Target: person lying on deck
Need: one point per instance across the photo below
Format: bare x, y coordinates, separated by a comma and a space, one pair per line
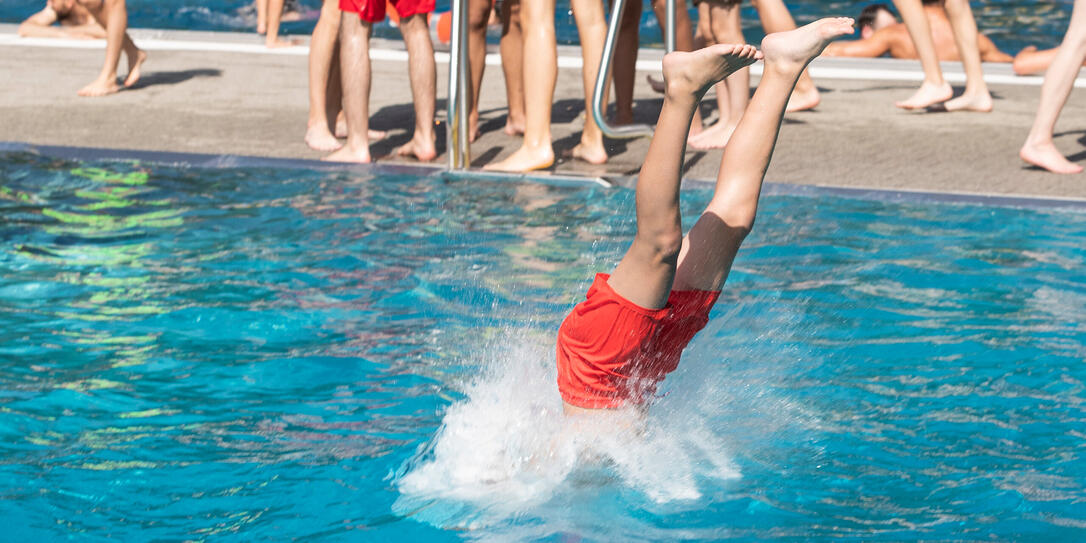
881, 34
62, 19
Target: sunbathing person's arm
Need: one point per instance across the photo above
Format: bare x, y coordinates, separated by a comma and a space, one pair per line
989, 52
40, 25
874, 46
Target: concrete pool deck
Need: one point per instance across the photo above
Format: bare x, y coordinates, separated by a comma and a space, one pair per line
223, 93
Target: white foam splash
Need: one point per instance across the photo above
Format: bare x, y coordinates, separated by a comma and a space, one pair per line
507, 448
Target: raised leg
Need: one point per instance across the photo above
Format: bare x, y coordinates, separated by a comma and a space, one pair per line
1039, 148
422, 72
976, 96
934, 89
712, 243
322, 49
541, 54
592, 29
645, 273
512, 52
354, 67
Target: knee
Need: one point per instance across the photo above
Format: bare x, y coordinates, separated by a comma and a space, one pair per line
664, 244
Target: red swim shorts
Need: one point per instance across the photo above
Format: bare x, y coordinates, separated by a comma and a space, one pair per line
613, 352
374, 10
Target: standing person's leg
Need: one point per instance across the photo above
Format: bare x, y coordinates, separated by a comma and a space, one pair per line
478, 17
275, 14
934, 89
113, 16
592, 30
976, 96
322, 48
712, 243
422, 72
261, 16
354, 69
512, 53
725, 27
624, 61
1039, 148
540, 51
684, 40
775, 17
645, 273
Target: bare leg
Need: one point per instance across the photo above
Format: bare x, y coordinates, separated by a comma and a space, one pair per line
775, 17
261, 16
711, 245
645, 273
540, 49
512, 52
624, 61
1039, 148
725, 27
478, 16
934, 89
113, 16
592, 29
976, 96
354, 66
322, 49
275, 14
422, 72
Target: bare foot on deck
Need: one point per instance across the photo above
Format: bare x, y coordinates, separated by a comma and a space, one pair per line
280, 43
1045, 155
525, 159
592, 154
419, 148
980, 102
804, 97
100, 87
927, 95
134, 68
687, 73
348, 154
714, 137
513, 127
789, 52
319, 138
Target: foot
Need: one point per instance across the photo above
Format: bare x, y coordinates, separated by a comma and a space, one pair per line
692, 73
714, 137
318, 138
100, 87
978, 101
341, 126
789, 52
926, 95
420, 148
525, 159
513, 127
623, 118
349, 154
657, 85
134, 67
803, 100
279, 43
590, 153
1045, 155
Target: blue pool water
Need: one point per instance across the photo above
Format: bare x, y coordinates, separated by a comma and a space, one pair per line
245, 354
1012, 24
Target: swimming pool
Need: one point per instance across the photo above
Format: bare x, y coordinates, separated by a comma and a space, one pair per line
1012, 24
255, 353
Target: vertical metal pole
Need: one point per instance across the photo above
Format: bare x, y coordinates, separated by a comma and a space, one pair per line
456, 128
603, 77
669, 39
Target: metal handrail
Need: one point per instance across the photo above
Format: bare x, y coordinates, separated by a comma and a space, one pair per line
456, 127
604, 73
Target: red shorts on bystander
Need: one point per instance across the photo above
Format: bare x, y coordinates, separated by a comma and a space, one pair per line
374, 10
